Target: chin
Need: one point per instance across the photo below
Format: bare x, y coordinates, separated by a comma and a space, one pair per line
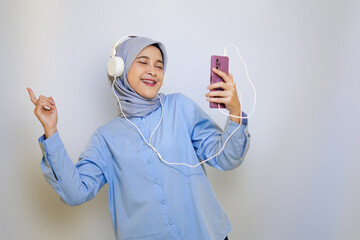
149, 96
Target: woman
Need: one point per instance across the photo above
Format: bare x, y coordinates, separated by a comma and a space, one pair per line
149, 198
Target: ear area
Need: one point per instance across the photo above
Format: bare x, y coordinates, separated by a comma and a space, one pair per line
164, 79
115, 66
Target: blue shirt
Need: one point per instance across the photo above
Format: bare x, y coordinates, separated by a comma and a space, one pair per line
149, 199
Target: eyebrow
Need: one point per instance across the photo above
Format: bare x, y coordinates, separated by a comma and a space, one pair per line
146, 57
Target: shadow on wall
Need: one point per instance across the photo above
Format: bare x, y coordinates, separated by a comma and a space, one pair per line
46, 206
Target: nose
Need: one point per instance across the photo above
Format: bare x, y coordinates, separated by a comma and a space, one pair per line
151, 70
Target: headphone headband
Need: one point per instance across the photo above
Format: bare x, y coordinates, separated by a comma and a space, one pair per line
118, 43
115, 65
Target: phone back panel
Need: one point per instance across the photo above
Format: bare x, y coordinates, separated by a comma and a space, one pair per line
221, 63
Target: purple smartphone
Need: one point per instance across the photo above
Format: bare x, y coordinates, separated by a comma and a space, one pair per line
221, 63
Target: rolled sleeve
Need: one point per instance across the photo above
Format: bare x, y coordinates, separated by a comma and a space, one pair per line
75, 183
237, 138
49, 146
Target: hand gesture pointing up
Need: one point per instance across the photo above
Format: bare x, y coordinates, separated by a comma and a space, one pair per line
46, 112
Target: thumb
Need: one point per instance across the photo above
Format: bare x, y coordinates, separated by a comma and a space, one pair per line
52, 99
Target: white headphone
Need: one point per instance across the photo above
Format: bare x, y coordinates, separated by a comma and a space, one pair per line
115, 66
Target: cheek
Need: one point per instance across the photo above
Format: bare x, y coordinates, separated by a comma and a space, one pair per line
134, 71
161, 74
132, 76
132, 81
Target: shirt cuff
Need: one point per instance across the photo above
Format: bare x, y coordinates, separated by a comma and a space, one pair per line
50, 145
231, 126
244, 121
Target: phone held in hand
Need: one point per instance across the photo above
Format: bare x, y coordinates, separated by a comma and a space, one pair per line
221, 63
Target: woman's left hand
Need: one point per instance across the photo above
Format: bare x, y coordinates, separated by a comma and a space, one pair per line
227, 96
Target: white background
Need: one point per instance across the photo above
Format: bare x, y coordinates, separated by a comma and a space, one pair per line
301, 176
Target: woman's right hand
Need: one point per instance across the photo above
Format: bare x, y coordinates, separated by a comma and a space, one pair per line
46, 112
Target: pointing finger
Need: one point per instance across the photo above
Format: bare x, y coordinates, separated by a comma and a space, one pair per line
32, 96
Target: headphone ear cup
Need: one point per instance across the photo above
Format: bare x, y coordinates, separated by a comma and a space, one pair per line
164, 78
115, 66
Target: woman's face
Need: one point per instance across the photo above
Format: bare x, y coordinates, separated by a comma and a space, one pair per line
146, 73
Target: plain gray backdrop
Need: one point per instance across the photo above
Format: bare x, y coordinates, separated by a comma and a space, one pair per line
300, 177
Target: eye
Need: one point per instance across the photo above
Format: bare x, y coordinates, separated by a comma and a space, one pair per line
159, 67
142, 62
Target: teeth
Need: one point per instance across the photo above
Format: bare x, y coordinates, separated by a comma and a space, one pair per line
150, 82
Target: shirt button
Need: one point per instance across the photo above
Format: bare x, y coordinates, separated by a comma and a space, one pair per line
148, 161
156, 181
162, 201
170, 222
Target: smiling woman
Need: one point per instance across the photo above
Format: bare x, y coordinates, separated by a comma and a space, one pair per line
148, 197
146, 72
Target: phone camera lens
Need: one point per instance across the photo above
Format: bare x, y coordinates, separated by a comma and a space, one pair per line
217, 60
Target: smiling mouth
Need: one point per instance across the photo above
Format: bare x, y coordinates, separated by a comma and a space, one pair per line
149, 82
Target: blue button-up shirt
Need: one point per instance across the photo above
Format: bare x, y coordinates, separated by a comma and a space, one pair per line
149, 199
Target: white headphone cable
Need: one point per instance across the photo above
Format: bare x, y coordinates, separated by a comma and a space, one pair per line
241, 117
162, 111
122, 112
248, 77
